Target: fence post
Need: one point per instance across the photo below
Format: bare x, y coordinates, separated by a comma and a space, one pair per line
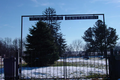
64, 65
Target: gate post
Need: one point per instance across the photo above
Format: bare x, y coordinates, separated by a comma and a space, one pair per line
11, 68
114, 64
17, 64
111, 65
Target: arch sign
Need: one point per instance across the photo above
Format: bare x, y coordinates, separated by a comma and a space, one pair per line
61, 17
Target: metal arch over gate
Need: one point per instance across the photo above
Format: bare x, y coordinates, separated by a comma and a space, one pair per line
64, 59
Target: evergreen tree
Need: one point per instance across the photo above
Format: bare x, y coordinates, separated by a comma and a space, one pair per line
40, 48
61, 44
55, 28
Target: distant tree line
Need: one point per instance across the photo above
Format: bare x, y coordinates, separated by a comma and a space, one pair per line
9, 47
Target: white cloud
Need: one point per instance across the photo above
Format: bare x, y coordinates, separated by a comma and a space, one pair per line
0, 26
20, 5
114, 16
93, 1
35, 1
5, 25
93, 12
106, 1
41, 3
118, 6
113, 1
9, 26
46, 4
62, 4
116, 2
64, 8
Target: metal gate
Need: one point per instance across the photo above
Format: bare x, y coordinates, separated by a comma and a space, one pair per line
71, 66
68, 67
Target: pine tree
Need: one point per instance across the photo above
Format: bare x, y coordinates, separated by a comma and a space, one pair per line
40, 48
61, 44
100, 37
55, 30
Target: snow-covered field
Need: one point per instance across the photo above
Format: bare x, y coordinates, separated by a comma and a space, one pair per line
83, 69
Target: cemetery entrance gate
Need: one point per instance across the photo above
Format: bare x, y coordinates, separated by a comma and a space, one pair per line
67, 67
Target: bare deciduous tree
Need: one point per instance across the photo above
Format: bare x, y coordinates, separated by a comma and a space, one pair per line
9, 47
69, 49
77, 45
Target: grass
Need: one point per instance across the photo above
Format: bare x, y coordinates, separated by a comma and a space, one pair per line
1, 66
78, 64
64, 64
24, 65
95, 76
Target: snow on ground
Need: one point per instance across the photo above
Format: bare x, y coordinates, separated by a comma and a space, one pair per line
58, 72
61, 72
91, 61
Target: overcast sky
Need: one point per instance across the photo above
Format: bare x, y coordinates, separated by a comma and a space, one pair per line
12, 10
